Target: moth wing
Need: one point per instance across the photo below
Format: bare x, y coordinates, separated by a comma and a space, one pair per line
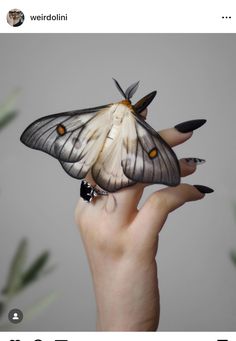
89, 153
77, 170
66, 136
107, 171
149, 158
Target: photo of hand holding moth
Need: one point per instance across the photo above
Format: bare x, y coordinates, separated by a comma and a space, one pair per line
112, 141
118, 153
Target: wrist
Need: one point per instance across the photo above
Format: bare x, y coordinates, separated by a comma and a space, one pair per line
127, 296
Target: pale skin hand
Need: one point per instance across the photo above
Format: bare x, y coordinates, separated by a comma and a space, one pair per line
121, 244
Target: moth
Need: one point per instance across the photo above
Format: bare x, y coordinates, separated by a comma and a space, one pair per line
111, 141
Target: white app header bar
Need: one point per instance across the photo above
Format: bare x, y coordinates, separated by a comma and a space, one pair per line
121, 16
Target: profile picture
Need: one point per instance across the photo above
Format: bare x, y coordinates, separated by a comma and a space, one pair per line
15, 17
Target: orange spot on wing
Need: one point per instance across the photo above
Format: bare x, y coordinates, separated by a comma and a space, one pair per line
152, 153
61, 130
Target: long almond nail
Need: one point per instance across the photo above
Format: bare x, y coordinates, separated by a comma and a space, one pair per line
204, 189
186, 127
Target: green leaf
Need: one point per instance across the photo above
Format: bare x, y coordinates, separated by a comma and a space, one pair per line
34, 310
34, 270
48, 270
7, 118
16, 269
7, 111
41, 305
233, 257
2, 308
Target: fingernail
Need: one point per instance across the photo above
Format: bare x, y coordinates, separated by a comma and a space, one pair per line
194, 161
186, 127
204, 189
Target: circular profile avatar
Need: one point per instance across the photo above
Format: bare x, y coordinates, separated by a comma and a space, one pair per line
15, 17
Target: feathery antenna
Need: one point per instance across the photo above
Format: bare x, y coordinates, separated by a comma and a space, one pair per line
130, 90
119, 88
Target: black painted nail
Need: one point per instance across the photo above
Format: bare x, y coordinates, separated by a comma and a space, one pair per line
204, 189
186, 127
194, 161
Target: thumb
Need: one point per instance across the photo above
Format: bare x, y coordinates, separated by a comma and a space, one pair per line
154, 212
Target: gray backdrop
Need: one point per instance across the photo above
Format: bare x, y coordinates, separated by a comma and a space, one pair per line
194, 76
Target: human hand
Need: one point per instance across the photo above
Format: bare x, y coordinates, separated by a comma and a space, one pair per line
121, 243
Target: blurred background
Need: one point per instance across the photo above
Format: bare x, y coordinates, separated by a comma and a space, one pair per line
41, 252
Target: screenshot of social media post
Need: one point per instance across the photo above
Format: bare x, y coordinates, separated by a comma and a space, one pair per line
117, 180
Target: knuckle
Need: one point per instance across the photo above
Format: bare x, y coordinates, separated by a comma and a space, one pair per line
158, 201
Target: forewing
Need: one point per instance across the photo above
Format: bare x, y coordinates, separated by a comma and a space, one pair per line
149, 158
65, 136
